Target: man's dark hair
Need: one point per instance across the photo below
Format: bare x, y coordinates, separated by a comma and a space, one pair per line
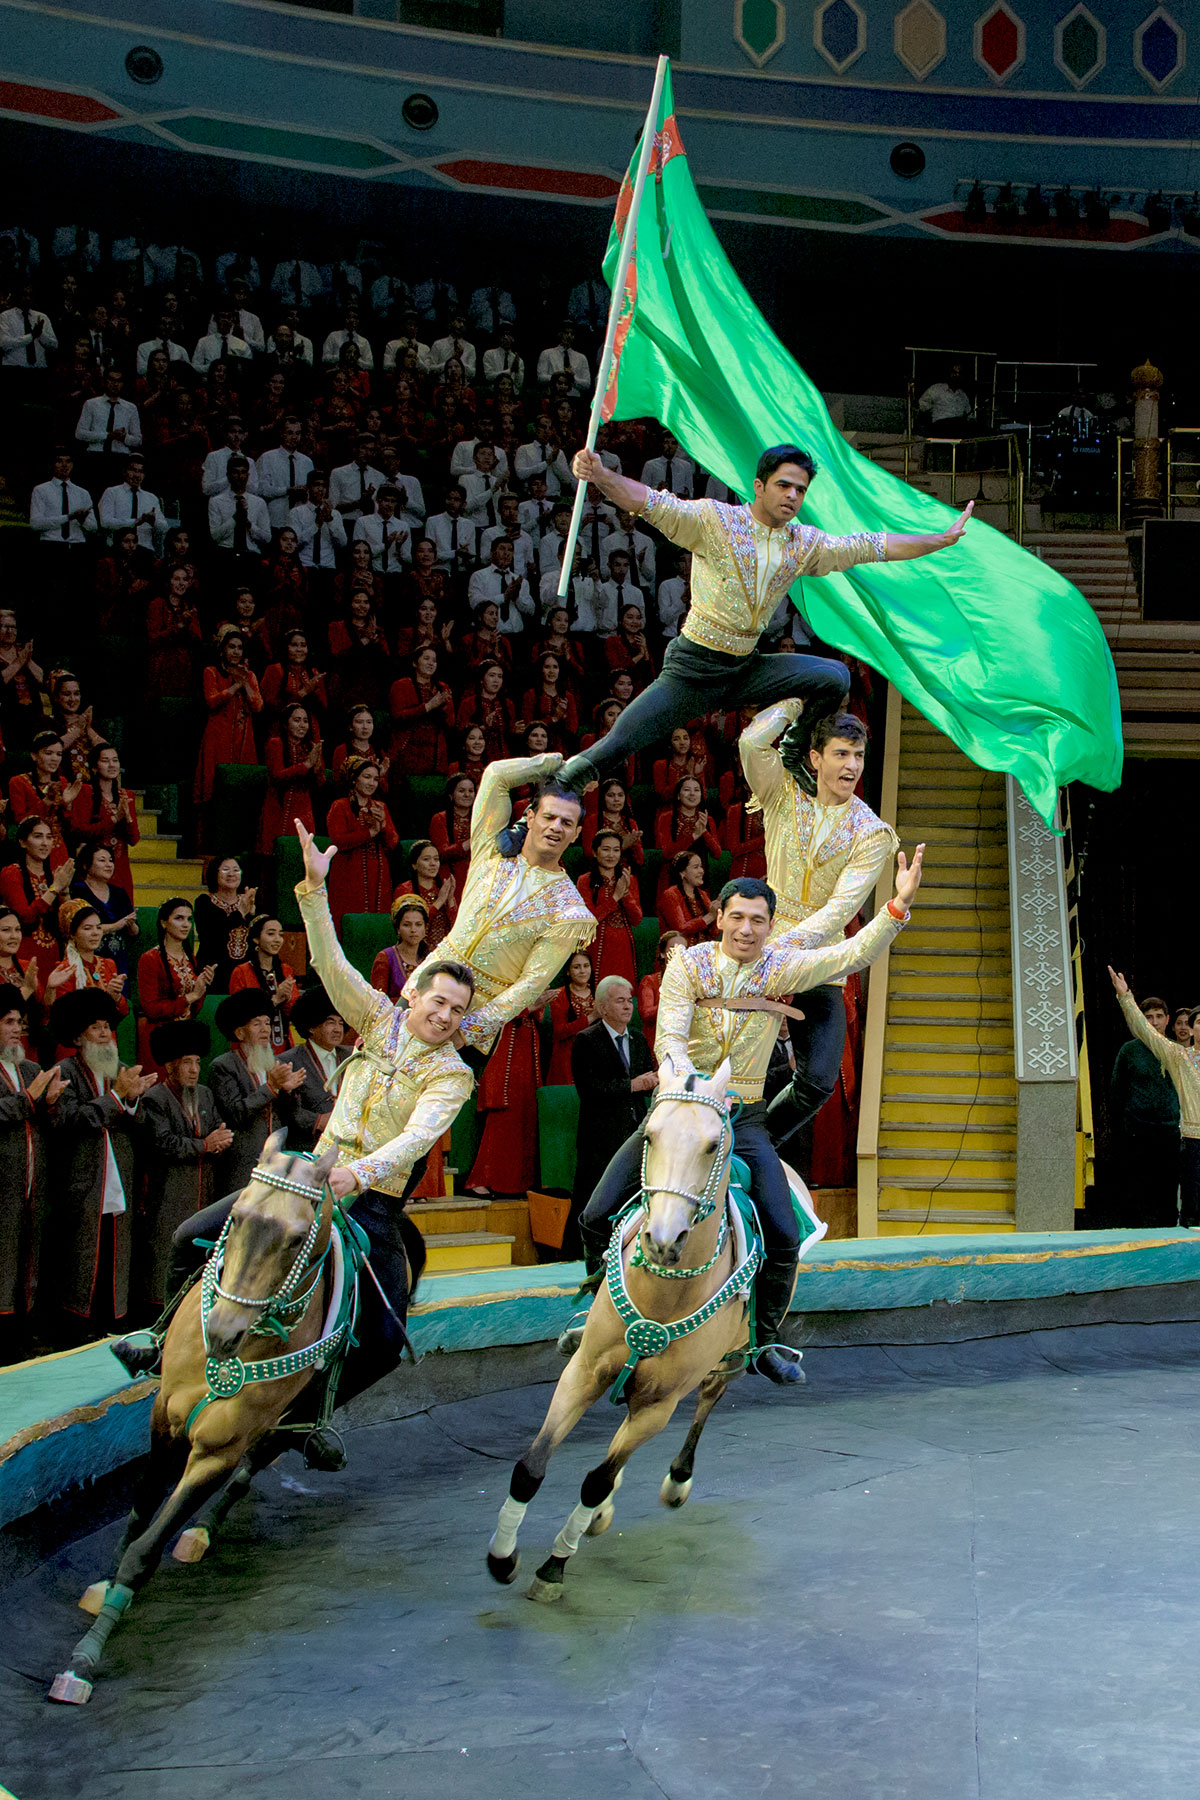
457, 971
1152, 1003
777, 455
552, 789
838, 725
748, 887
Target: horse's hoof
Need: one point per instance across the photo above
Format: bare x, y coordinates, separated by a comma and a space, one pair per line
94, 1598
545, 1592
569, 1340
504, 1568
68, 1688
672, 1492
602, 1518
191, 1544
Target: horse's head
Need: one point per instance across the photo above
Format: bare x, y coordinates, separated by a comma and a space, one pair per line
687, 1143
268, 1228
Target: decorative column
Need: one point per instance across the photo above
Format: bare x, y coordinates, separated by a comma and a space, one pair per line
1043, 1022
1147, 480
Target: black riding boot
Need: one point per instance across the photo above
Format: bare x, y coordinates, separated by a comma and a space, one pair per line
146, 1359
796, 743
772, 1297
794, 1106
595, 1242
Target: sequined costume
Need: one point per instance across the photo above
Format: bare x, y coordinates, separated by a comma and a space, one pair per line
1182, 1064
517, 924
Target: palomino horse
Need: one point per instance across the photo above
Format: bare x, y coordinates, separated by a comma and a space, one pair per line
227, 1379
680, 1328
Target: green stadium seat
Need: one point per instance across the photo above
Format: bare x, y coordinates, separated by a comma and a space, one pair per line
127, 1038
286, 869
208, 1016
648, 879
239, 790
164, 800
645, 944
718, 871
364, 935
558, 1118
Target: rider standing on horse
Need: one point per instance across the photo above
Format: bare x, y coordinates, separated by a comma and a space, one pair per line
399, 1093
825, 852
716, 1002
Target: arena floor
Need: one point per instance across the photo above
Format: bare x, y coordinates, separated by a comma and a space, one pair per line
939, 1573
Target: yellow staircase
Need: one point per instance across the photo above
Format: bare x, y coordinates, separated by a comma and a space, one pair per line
159, 872
948, 1113
457, 1236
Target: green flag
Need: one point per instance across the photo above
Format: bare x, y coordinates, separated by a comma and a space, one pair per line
991, 644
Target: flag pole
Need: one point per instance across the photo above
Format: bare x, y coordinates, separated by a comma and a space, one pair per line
604, 366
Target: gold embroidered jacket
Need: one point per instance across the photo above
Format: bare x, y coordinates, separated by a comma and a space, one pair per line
822, 861
516, 925
1181, 1061
700, 1037
397, 1095
742, 570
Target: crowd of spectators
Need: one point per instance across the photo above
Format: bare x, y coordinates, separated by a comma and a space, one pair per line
310, 519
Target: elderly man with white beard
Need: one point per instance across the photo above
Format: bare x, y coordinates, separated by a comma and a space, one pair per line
246, 1082
25, 1093
90, 1125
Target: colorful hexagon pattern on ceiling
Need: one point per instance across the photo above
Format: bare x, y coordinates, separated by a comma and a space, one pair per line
759, 28
1080, 46
999, 42
840, 33
1159, 49
919, 38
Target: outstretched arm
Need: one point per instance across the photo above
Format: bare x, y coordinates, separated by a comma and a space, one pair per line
631, 496
1165, 1049
493, 806
353, 996
801, 966
903, 546
761, 761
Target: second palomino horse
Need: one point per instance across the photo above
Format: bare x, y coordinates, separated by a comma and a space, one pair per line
656, 1329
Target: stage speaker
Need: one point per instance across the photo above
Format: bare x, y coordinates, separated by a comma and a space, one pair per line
1171, 569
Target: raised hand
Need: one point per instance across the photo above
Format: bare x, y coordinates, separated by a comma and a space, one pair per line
960, 524
1119, 982
908, 876
316, 862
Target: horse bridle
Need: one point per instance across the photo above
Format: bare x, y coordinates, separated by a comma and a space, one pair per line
703, 1205
280, 1304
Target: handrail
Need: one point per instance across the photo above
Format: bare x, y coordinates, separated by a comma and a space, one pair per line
1013, 470
870, 1089
1181, 431
1121, 476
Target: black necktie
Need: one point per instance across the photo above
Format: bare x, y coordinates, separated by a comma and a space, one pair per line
623, 1047
133, 506
239, 525
317, 545
224, 348
385, 546
30, 348
291, 469
362, 487
112, 422
66, 524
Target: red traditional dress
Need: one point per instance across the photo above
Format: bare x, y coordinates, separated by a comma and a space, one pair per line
671, 842
95, 973
746, 840
360, 879
612, 951
284, 687
495, 719
507, 1159
46, 800
441, 918
451, 832
389, 971
670, 770
677, 913
161, 987
568, 1017
229, 733
625, 824
31, 898
419, 737
94, 821
542, 708
647, 1002
290, 790
174, 638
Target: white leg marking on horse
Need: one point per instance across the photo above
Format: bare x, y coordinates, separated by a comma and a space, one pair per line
504, 1538
567, 1541
603, 1516
672, 1492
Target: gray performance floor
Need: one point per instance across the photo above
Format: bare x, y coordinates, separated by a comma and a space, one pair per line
939, 1573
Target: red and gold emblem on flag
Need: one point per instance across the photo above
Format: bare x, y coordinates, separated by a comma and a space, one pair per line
667, 144
628, 304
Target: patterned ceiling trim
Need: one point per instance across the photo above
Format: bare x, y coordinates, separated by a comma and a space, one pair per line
759, 28
1000, 42
919, 38
1080, 46
1160, 49
840, 33
273, 143
572, 184
53, 103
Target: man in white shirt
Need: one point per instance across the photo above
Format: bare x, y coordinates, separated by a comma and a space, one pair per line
131, 504
109, 425
563, 359
390, 293
282, 474
504, 360
462, 457
76, 245
482, 486
214, 478
60, 511
238, 520
500, 583
509, 527
454, 534
536, 511
390, 544
435, 298
320, 530
716, 490
618, 592
554, 540
237, 265
246, 324
287, 342
946, 401
20, 249
672, 471
410, 510
490, 309
544, 456
455, 343
582, 597
640, 546
347, 333
98, 335
221, 344
588, 306
409, 339
25, 334
353, 486
675, 596
163, 341
297, 283
166, 264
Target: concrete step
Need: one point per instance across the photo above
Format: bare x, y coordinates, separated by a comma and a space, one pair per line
934, 1221
933, 1166
929, 1111
457, 1214
469, 1250
954, 1086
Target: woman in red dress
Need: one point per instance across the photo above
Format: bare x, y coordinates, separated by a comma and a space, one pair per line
604, 717
173, 634
361, 659
507, 1159
429, 630
424, 581
609, 891
360, 574
396, 962
15, 970
106, 813
20, 682
551, 701
572, 1010
627, 648
422, 709
72, 720
429, 882
451, 829
360, 825
360, 730
683, 825
485, 642
264, 968
688, 757
44, 794
122, 582
537, 742
556, 640
80, 929
685, 906
612, 813
649, 986
295, 776
294, 679
743, 833
168, 984
473, 760
232, 698
33, 889
486, 704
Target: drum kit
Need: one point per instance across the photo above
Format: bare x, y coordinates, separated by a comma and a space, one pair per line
1072, 461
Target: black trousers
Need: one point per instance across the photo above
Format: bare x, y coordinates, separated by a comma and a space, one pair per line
696, 680
1189, 1181
394, 1243
818, 1044
1151, 1169
768, 1183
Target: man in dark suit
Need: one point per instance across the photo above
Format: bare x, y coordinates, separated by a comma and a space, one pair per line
183, 1138
25, 1094
246, 1083
306, 1110
613, 1069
